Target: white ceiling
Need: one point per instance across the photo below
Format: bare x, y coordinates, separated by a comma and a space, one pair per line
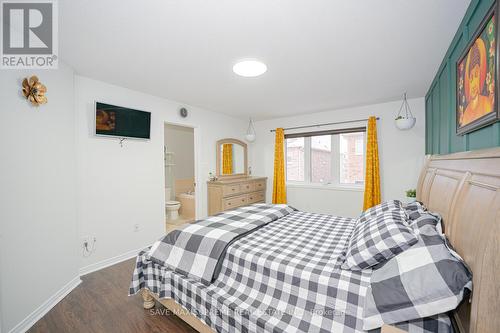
320, 55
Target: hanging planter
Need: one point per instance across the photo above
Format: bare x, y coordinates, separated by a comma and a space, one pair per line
405, 123
405, 120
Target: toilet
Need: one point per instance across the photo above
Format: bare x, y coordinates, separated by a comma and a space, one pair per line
171, 206
172, 209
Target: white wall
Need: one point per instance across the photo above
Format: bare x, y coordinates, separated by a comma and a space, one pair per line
38, 229
119, 187
180, 141
401, 156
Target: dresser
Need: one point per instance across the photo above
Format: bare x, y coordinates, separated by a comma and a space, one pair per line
235, 192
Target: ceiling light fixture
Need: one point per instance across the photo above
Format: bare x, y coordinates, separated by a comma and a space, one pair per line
249, 68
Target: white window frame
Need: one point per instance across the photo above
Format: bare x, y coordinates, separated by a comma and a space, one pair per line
335, 165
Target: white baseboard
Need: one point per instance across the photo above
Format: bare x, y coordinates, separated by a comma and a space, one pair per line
110, 261
42, 310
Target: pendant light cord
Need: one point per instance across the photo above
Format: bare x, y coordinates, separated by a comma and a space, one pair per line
251, 129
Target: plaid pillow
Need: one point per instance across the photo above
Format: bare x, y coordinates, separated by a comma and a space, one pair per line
385, 206
413, 208
419, 216
378, 239
425, 280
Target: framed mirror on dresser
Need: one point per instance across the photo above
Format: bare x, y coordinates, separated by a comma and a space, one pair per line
233, 187
232, 160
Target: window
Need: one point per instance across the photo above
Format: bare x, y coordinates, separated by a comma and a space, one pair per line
321, 159
330, 157
295, 159
352, 158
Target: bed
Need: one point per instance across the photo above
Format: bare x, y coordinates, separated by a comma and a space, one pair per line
285, 275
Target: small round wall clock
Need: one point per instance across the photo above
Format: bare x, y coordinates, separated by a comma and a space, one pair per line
183, 112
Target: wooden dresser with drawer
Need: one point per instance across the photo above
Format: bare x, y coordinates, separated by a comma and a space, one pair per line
235, 192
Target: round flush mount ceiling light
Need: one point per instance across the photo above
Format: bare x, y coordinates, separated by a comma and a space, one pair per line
249, 68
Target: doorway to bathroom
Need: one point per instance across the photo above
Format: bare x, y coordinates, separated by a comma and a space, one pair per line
180, 175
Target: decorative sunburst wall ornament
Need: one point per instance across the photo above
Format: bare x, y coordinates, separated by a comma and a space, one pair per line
34, 91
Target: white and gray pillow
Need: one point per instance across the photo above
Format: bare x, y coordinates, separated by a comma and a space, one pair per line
425, 280
419, 216
381, 208
378, 239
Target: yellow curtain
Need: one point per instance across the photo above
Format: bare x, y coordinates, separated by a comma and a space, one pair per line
372, 178
279, 189
227, 159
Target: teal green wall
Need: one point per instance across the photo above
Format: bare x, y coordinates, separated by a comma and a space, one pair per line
440, 100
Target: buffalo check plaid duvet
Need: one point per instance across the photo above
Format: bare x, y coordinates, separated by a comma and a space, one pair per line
283, 277
196, 250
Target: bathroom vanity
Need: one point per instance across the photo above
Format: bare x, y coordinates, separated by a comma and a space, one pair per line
233, 187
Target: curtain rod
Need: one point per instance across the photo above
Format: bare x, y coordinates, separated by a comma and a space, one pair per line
325, 124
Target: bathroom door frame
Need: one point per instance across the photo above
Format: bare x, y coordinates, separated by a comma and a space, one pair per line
197, 188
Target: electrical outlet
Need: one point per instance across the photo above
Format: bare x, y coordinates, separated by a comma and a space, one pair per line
85, 242
88, 245
137, 227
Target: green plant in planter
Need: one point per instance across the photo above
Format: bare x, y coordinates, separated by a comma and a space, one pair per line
411, 193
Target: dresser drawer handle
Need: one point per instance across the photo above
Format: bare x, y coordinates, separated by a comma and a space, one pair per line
229, 204
242, 200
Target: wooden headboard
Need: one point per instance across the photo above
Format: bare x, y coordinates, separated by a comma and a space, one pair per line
465, 189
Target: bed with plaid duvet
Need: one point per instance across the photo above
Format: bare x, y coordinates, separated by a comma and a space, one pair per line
283, 277
197, 250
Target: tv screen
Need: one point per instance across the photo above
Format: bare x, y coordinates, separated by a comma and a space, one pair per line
121, 122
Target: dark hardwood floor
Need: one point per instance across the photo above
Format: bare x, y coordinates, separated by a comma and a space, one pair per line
100, 304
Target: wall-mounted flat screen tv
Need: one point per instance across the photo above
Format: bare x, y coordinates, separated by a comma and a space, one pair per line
112, 120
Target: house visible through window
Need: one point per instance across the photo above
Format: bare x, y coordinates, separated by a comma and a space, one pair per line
321, 159
295, 159
352, 158
329, 157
